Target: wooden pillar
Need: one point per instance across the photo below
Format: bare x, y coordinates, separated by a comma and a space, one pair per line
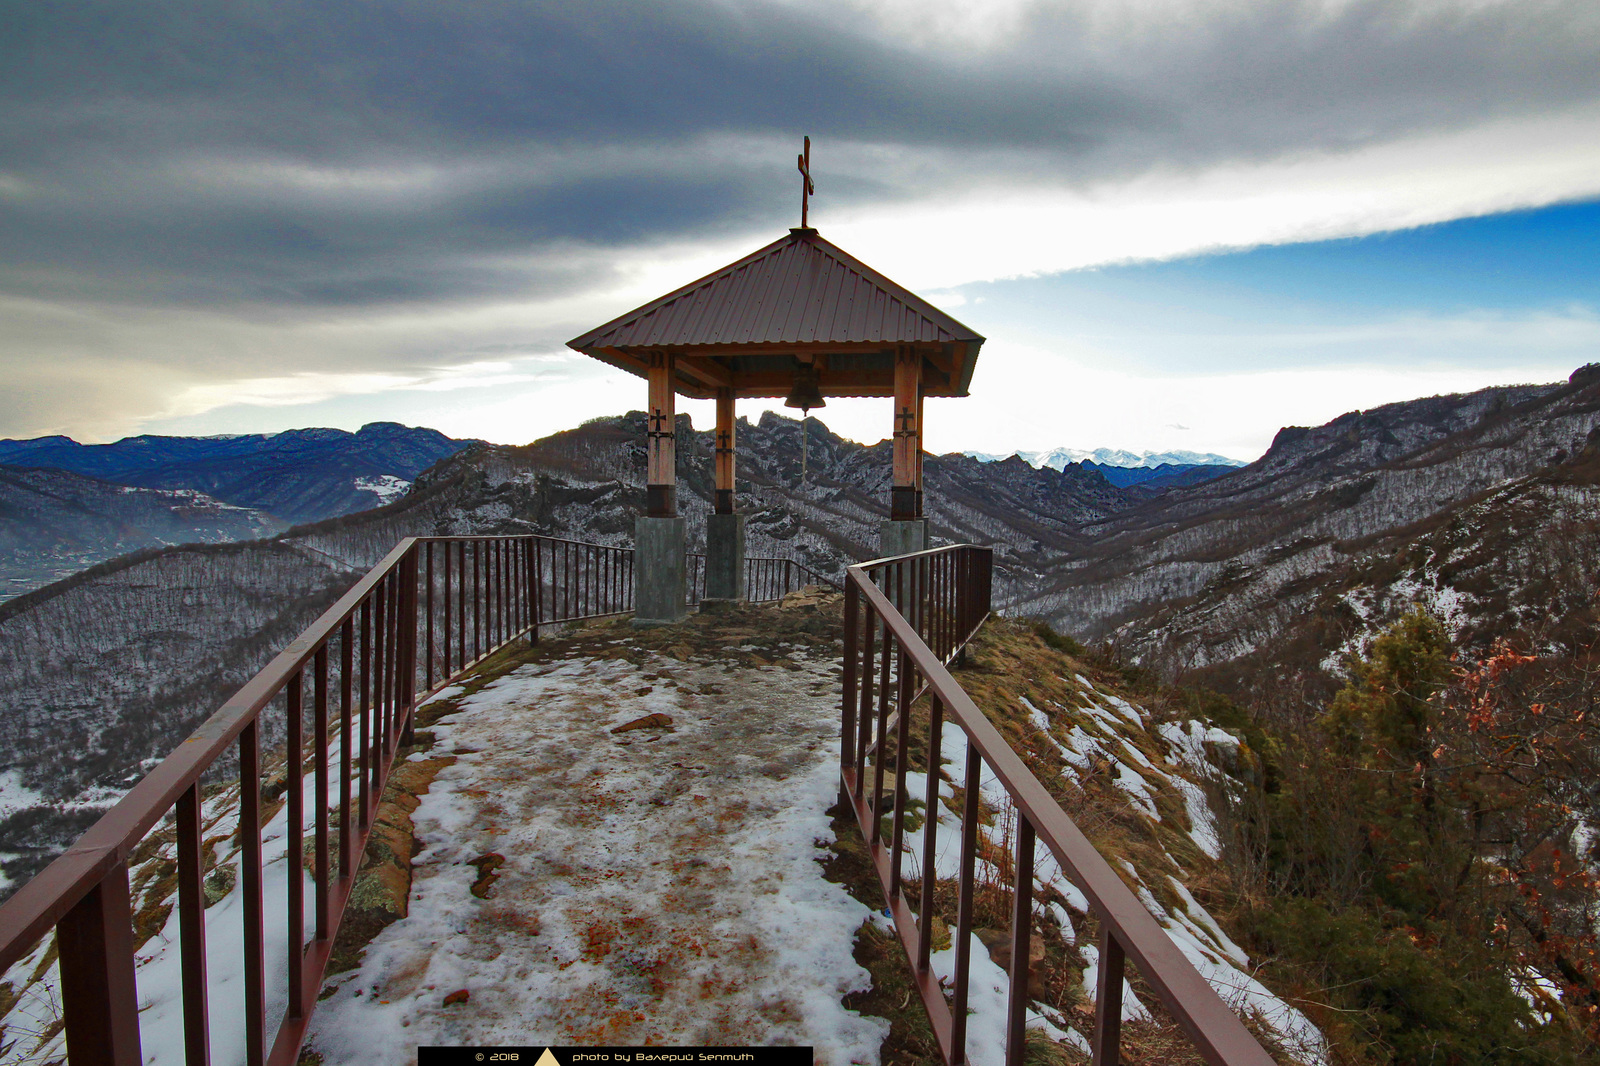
724, 452
661, 477
905, 501
919, 450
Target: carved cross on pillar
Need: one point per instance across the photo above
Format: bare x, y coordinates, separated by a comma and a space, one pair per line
661, 468
905, 499
724, 452
807, 187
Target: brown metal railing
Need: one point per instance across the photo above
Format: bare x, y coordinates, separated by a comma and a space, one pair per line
905, 618
764, 579
480, 592
433, 608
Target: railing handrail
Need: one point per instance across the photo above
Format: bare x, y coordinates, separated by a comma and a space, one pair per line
85, 893
30, 912
1217, 1032
796, 563
39, 903
383, 628
822, 578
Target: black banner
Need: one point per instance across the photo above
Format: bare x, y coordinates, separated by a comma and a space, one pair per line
609, 1056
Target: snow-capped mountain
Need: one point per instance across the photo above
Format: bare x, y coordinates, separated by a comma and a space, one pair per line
1058, 458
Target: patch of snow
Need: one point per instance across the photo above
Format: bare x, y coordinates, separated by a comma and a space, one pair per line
988, 987
1140, 757
1079, 748
1124, 708
386, 487
1245, 995
1034, 1019
1199, 920
629, 857
1041, 721
1136, 788
1186, 742
449, 692
1132, 1009
16, 796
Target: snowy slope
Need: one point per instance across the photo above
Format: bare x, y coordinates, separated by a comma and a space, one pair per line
1141, 790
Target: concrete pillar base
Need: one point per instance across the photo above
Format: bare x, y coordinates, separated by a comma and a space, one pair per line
724, 557
902, 536
660, 576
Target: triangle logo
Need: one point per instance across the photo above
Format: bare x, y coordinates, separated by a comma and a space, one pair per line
547, 1059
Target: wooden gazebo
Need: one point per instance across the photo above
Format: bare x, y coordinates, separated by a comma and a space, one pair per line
799, 311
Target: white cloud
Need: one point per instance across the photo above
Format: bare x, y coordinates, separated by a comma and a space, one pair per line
1026, 398
1005, 230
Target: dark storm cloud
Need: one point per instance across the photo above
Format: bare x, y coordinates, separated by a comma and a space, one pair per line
340, 153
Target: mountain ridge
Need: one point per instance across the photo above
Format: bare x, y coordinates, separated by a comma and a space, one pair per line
1056, 458
296, 475
65, 505
1239, 568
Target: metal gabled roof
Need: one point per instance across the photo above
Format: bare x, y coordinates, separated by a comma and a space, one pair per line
798, 290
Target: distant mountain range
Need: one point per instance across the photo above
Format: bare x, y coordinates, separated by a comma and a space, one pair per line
301, 475
65, 506
1057, 458
1481, 504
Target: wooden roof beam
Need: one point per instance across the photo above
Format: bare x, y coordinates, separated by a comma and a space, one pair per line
706, 371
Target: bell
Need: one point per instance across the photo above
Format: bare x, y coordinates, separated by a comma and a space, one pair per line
805, 394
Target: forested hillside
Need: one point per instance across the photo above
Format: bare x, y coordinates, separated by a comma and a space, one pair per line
1477, 503
54, 523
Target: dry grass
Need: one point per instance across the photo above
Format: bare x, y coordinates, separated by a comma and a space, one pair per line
1009, 661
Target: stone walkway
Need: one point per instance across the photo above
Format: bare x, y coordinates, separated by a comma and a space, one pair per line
658, 885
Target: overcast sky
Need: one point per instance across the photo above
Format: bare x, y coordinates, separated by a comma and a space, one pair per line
1180, 224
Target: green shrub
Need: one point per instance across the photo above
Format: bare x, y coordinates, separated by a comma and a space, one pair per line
1059, 641
1413, 993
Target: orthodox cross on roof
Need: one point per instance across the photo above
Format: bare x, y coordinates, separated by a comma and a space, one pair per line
807, 187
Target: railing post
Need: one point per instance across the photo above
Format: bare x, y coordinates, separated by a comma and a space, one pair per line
406, 691
930, 838
847, 727
319, 741
1021, 941
192, 928
427, 660
346, 712
250, 888
530, 589
1108, 999
902, 751
962, 937
95, 942
295, 794
864, 698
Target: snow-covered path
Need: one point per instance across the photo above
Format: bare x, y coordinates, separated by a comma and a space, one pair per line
658, 885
